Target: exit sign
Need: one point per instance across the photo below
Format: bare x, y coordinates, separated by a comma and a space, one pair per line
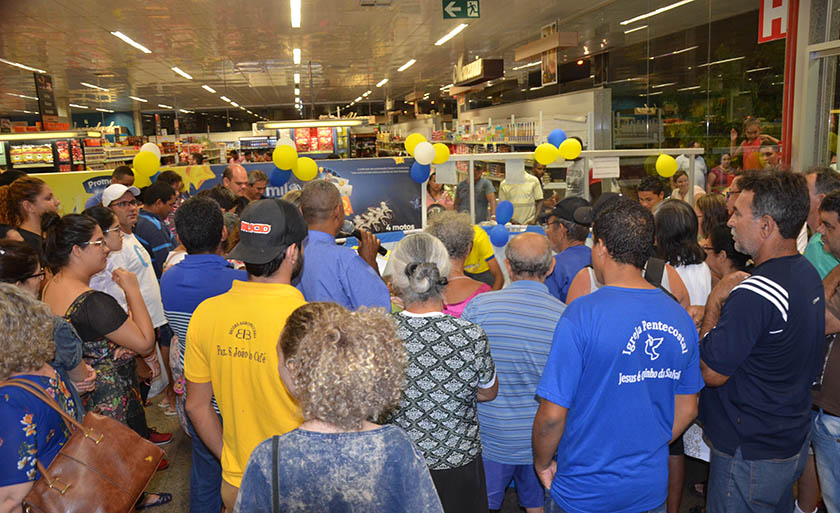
461, 9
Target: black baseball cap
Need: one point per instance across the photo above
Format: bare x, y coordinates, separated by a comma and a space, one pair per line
267, 227
570, 209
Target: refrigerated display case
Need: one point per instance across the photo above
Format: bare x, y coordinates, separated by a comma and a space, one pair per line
45, 155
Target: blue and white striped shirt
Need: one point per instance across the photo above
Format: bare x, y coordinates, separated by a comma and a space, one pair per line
519, 321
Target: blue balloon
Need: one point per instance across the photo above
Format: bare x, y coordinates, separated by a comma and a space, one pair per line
499, 235
504, 212
556, 137
279, 177
419, 172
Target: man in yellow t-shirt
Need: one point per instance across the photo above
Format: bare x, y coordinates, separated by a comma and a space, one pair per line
481, 263
231, 347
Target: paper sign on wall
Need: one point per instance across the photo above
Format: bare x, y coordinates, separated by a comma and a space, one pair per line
605, 167
445, 173
515, 172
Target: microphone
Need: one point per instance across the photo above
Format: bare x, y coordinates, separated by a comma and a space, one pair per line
348, 229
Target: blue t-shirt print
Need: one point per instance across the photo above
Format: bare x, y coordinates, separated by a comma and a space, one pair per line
618, 358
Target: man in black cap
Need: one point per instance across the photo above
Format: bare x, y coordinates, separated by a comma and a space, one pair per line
232, 338
567, 227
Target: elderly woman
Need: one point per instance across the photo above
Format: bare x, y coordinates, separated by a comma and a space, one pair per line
449, 371
344, 368
456, 233
29, 429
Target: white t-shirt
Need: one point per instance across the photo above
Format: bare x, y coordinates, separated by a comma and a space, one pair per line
698, 280
133, 257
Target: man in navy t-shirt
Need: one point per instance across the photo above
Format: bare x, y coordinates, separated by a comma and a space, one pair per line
761, 351
620, 382
567, 233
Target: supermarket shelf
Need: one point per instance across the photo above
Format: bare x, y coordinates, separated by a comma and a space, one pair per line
509, 143
25, 166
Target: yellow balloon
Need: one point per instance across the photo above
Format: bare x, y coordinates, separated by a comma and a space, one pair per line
441, 153
666, 165
546, 153
412, 141
284, 157
570, 149
306, 169
145, 164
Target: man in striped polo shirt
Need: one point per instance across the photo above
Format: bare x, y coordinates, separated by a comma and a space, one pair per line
519, 321
201, 275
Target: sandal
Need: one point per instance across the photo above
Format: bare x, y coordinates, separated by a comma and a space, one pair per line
163, 498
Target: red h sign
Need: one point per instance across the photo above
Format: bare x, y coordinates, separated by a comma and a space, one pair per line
772, 20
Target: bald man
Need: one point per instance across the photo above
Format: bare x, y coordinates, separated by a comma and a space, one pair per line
235, 179
519, 321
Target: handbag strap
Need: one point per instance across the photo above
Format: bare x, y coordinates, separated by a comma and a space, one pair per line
37, 391
275, 492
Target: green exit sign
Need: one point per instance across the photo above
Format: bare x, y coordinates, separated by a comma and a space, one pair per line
461, 9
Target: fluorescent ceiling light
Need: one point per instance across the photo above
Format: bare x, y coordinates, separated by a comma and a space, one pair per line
208, 88
296, 55
94, 134
93, 86
367, 93
185, 111
313, 123
657, 86
135, 98
535, 63
163, 106
675, 52
130, 41
181, 72
407, 65
23, 96
382, 82
651, 94
297, 91
692, 88
635, 29
447, 86
632, 79
225, 99
296, 76
733, 59
657, 11
22, 66
234, 104
765, 68
79, 106
358, 99
104, 110
454, 32
295, 5
25, 112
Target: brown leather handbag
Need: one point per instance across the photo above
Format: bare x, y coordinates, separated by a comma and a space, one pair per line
103, 467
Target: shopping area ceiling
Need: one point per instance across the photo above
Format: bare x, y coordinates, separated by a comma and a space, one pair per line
244, 49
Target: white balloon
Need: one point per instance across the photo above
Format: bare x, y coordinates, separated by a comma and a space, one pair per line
285, 141
152, 147
424, 153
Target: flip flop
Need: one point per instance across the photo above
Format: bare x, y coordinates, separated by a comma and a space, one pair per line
163, 498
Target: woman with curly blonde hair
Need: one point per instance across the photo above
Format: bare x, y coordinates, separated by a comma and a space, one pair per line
345, 369
23, 203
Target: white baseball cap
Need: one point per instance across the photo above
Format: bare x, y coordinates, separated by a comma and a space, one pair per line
116, 191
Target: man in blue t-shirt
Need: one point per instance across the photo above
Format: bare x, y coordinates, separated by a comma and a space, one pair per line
761, 351
567, 233
202, 274
620, 382
150, 229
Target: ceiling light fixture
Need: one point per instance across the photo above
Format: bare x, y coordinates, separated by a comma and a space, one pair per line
104, 110
208, 88
297, 91
130, 41
765, 68
454, 32
657, 11
382, 82
296, 55
447, 86
295, 5
22, 66
658, 86
163, 106
367, 93
651, 94
225, 99
296, 76
181, 72
675, 52
93, 134
135, 98
530, 64
635, 29
23, 96
93, 86
733, 59
358, 99
234, 104
407, 65
185, 111
313, 123
78, 106
692, 88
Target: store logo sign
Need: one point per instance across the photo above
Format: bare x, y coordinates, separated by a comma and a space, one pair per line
772, 20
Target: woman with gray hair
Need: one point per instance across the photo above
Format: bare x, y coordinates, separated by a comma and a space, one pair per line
449, 370
456, 233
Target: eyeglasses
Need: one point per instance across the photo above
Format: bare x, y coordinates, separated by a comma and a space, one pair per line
128, 203
729, 194
98, 243
109, 230
40, 275
546, 225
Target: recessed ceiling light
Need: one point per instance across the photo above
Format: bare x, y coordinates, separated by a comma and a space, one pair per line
657, 11
454, 32
296, 76
658, 86
295, 6
22, 66
78, 106
225, 99
636, 29
130, 41
23, 96
692, 88
185, 111
208, 88
733, 59
382, 82
135, 98
367, 93
93, 86
765, 68
104, 110
181, 72
407, 65
163, 106
530, 64
297, 91
234, 104
296, 55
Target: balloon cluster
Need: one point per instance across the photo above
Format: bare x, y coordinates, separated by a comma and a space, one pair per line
558, 145
425, 154
146, 163
504, 213
285, 157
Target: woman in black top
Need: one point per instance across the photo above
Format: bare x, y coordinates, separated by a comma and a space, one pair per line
23, 203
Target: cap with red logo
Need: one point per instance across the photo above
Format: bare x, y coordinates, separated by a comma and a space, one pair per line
266, 229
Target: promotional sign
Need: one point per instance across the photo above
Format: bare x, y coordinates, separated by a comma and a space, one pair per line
46, 98
461, 9
378, 194
772, 20
548, 64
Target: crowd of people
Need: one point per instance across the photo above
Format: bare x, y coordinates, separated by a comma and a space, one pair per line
584, 367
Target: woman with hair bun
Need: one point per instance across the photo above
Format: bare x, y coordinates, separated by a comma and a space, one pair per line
449, 371
23, 203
